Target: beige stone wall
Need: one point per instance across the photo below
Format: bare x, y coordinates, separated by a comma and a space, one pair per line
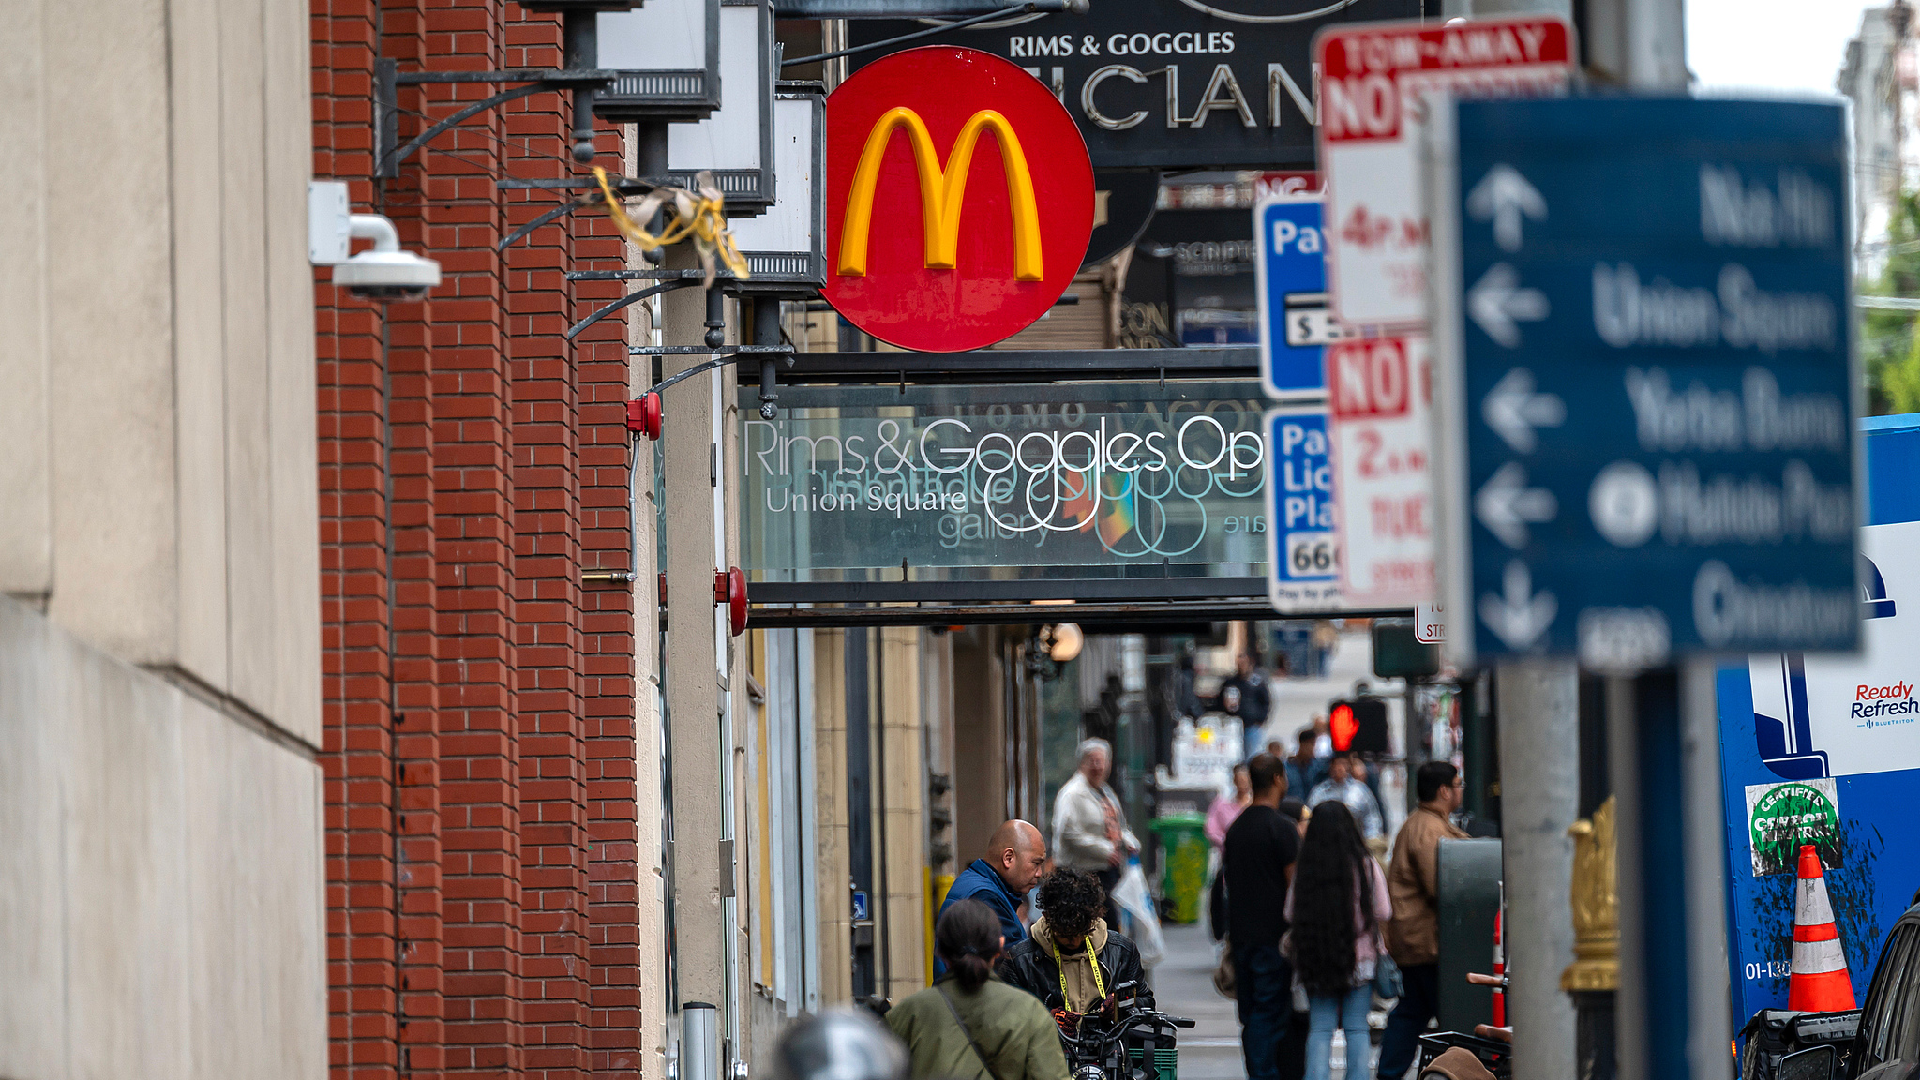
160, 824
162, 872
980, 742
830, 764
158, 425
900, 836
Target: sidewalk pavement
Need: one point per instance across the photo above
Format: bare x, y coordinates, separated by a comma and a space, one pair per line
1183, 986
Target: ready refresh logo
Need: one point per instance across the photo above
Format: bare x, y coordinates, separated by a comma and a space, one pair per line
1797, 695
1894, 704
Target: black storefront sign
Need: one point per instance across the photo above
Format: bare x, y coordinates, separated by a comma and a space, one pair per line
1171, 84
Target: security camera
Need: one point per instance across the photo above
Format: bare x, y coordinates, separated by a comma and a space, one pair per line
383, 272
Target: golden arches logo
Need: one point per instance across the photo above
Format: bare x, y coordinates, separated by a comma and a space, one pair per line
942, 191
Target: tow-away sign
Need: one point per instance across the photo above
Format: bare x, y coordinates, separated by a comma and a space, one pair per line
1375, 82
1380, 432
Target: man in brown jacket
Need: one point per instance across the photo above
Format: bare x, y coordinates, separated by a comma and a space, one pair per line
1413, 935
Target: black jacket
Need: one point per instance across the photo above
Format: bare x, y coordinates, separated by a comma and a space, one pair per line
1029, 966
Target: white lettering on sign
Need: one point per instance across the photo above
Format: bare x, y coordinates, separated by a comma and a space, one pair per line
1108, 100
1287, 233
1728, 611
1001, 484
1463, 45
1303, 550
1377, 84
1380, 400
1794, 211
1305, 489
1758, 418
1629, 312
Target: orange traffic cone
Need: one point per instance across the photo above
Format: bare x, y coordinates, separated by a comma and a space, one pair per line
1820, 981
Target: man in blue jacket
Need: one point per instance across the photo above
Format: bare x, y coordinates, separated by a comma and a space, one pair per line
1016, 854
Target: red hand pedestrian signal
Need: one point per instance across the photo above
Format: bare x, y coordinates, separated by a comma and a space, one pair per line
1342, 725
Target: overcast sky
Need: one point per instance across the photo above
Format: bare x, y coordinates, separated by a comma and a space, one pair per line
1773, 45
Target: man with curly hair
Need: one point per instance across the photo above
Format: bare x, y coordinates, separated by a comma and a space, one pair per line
1072, 960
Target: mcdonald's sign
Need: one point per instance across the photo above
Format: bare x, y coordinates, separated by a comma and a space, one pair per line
959, 199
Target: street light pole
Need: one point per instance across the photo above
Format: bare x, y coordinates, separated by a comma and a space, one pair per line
1539, 731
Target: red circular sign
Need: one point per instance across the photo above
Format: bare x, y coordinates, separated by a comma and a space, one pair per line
959, 199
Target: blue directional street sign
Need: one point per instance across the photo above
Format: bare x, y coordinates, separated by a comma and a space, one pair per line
1290, 282
1302, 574
1648, 384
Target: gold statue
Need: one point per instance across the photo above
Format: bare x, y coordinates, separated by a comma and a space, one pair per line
1596, 905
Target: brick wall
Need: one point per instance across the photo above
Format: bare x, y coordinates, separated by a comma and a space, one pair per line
480, 755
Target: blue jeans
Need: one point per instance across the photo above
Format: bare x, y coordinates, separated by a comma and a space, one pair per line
1349, 1014
1264, 997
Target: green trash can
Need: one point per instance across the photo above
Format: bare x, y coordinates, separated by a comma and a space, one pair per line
1183, 861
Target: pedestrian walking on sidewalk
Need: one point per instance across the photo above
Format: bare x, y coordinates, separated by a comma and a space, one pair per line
969, 1025
1342, 786
1089, 828
1413, 935
1304, 771
1225, 808
1257, 861
1245, 695
1335, 911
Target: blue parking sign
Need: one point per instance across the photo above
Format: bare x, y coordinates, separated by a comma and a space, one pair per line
1302, 574
1290, 271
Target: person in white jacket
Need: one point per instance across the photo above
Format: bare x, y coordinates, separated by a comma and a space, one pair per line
1089, 828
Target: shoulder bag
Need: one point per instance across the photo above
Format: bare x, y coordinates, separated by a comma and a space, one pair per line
964, 1030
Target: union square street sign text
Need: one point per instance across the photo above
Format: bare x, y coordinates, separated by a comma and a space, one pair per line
1079, 481
1170, 83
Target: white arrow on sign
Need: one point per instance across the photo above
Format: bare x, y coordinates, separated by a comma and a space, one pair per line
1522, 615
1504, 197
1497, 303
1506, 504
1513, 409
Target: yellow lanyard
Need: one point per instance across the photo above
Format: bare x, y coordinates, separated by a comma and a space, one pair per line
1099, 984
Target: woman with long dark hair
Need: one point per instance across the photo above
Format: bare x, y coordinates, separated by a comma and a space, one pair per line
1335, 908
969, 1025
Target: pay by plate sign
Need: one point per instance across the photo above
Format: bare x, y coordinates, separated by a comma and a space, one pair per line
1377, 82
1380, 407
1302, 544
1290, 286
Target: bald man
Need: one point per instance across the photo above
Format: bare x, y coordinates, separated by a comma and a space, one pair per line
1016, 853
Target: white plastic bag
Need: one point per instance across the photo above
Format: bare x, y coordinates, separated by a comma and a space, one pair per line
1132, 897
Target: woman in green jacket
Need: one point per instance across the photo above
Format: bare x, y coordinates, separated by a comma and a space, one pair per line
969, 1025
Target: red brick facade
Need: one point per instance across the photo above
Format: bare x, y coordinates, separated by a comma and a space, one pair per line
480, 754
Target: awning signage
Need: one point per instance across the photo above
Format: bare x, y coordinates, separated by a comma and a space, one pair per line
1126, 480
1173, 83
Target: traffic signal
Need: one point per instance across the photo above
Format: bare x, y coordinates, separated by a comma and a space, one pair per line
1358, 726
1398, 653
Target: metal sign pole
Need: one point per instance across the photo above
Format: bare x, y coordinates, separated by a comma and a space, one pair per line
1704, 855
1539, 702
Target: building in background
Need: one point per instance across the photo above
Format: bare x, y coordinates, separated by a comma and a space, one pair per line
1880, 78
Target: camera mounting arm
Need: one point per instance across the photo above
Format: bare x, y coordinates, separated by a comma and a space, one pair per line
581, 75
